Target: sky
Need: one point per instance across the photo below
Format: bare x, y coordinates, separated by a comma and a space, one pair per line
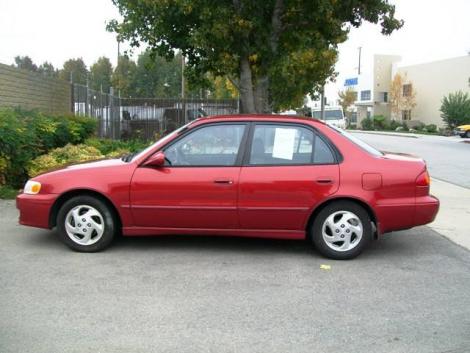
56, 30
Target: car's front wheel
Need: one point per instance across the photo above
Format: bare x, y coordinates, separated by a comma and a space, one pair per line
341, 230
86, 224
467, 134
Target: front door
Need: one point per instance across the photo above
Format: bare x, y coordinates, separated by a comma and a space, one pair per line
197, 188
289, 169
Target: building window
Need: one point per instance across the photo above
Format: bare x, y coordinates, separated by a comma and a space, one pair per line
365, 95
385, 97
407, 90
406, 114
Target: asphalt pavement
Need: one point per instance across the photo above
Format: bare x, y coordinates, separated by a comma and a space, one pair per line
409, 292
447, 157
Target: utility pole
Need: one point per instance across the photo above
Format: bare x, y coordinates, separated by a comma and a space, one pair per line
359, 66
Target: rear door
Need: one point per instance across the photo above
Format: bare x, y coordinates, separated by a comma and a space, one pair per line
288, 169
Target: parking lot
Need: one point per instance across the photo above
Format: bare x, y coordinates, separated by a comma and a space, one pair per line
409, 292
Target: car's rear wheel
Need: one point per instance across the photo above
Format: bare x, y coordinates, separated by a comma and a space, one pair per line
86, 224
341, 230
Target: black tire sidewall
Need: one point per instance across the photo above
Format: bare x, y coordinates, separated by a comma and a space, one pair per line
109, 223
316, 230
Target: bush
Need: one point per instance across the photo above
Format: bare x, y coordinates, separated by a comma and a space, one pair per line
394, 125
405, 127
106, 146
7, 192
367, 124
455, 109
24, 135
380, 123
432, 128
60, 157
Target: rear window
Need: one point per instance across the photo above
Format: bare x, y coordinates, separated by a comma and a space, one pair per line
368, 148
329, 114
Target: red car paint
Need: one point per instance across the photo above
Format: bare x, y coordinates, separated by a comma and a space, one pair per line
242, 200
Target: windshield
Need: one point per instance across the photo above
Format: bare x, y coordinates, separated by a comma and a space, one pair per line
161, 141
329, 114
357, 141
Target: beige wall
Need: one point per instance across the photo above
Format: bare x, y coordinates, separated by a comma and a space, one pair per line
433, 81
28, 90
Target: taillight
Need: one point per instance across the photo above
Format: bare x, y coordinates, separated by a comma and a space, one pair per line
423, 179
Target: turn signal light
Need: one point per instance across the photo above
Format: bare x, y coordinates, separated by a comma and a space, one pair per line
423, 179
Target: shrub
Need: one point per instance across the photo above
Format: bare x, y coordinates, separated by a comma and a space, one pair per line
367, 124
455, 109
380, 123
7, 192
24, 135
394, 125
60, 157
432, 128
106, 146
405, 127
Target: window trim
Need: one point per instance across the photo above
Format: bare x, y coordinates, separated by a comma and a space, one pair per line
338, 158
240, 153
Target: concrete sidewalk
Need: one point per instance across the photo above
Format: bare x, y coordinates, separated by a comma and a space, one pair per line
453, 219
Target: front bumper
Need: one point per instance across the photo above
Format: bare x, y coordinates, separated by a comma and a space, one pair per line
35, 209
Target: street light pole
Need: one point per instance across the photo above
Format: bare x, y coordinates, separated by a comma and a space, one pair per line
359, 66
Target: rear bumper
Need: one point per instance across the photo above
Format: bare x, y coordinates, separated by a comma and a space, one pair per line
35, 209
426, 210
399, 216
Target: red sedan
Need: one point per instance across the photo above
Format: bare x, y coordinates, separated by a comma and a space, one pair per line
254, 176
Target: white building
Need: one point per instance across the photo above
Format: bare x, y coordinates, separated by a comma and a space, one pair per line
430, 81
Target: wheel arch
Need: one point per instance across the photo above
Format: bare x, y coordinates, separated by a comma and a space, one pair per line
360, 202
81, 192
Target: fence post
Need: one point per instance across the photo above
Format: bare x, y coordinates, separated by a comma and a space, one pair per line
111, 111
87, 99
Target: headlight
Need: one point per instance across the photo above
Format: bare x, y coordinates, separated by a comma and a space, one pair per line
32, 187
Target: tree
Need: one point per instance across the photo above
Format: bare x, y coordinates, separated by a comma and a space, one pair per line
347, 98
157, 77
25, 63
402, 95
74, 70
48, 70
273, 51
123, 78
100, 74
455, 109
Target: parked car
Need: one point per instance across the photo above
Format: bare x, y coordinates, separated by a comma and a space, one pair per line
463, 130
333, 116
251, 176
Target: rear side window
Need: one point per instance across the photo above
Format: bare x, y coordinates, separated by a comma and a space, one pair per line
288, 145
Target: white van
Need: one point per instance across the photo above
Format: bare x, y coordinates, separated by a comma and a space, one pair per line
333, 116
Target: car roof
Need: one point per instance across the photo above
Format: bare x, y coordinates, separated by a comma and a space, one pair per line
260, 117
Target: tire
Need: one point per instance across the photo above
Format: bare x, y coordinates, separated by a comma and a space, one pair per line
341, 230
467, 134
86, 224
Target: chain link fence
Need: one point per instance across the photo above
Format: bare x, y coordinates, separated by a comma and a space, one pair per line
143, 118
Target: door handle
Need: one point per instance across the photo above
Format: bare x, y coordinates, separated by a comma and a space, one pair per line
324, 181
223, 181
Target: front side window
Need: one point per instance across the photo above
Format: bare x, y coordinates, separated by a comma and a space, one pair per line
287, 145
215, 145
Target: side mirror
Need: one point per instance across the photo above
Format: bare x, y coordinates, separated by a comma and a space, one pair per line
157, 160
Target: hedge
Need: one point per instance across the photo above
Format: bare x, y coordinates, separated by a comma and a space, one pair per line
24, 135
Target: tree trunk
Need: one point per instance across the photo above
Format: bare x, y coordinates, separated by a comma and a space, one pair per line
246, 87
262, 102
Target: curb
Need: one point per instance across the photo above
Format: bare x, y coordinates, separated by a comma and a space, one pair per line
413, 136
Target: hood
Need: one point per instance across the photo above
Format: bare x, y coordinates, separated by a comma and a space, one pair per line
101, 163
464, 127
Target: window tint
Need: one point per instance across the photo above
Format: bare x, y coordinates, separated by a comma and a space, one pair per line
284, 145
322, 153
215, 145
